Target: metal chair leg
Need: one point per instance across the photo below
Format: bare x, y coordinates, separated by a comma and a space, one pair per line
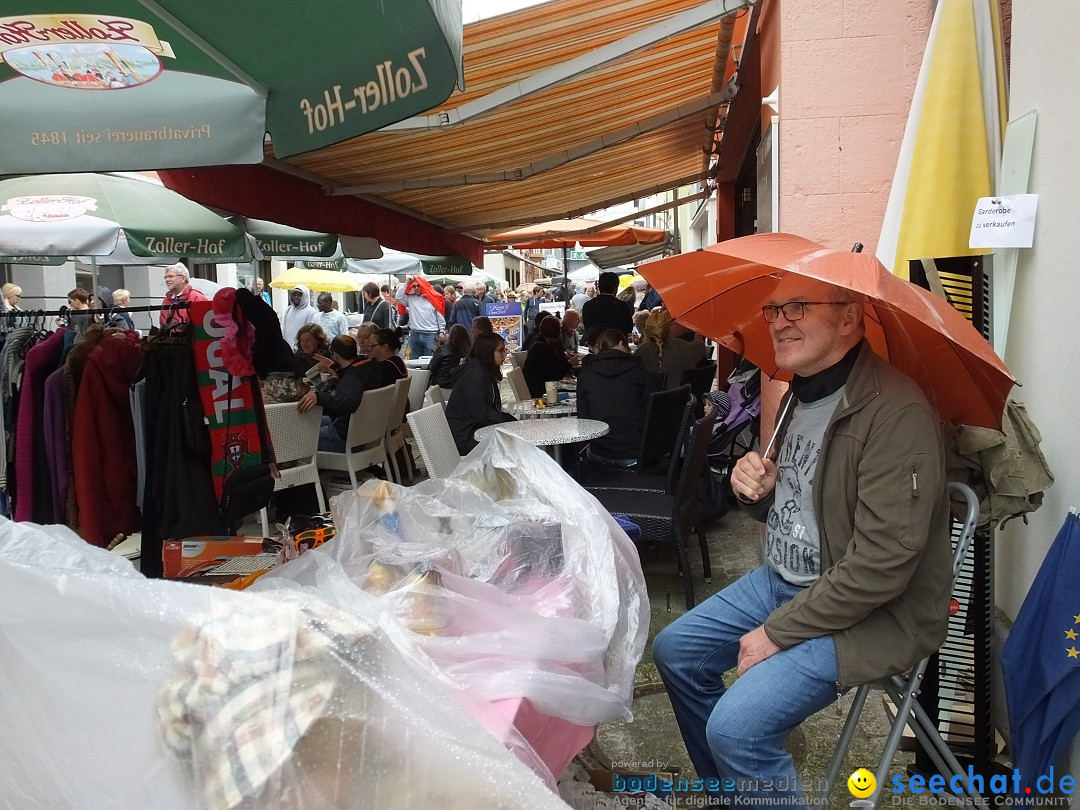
843, 743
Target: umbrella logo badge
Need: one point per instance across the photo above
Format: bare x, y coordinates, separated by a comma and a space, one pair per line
49, 207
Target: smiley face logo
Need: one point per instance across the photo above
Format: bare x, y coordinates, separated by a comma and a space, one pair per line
861, 784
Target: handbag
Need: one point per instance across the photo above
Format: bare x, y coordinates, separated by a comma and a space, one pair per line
249, 489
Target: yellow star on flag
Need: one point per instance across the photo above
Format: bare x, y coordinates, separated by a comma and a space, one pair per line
1076, 619
1070, 634
1072, 652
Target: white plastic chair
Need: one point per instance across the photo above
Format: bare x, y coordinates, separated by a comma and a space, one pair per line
517, 359
394, 439
435, 440
518, 386
364, 442
295, 437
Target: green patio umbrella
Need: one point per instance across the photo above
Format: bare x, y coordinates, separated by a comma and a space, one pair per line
104, 85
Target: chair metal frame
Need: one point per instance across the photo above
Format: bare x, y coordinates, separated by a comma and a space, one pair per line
904, 691
295, 437
364, 444
435, 439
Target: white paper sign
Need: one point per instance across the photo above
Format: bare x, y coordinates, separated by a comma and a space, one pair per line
1004, 222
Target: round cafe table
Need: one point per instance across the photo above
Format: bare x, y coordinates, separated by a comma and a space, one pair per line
552, 433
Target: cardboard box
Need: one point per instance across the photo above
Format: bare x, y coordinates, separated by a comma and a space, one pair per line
196, 557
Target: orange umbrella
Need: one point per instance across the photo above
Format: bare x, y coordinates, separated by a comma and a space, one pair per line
719, 292
565, 233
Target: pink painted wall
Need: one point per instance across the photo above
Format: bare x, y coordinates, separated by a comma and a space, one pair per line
847, 73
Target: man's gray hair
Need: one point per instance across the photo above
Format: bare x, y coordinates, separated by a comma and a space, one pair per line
179, 269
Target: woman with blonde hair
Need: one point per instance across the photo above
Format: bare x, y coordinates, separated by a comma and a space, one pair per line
12, 296
661, 353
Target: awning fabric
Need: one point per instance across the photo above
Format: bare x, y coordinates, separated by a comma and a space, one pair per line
626, 126
257, 191
608, 257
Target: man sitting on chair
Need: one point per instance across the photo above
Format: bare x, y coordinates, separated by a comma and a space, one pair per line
354, 377
856, 581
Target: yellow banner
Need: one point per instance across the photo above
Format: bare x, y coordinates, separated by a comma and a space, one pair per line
74, 29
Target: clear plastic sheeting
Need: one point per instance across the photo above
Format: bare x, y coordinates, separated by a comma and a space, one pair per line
122, 692
508, 578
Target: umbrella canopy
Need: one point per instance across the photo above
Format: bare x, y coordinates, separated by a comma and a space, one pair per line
101, 216
719, 292
585, 274
100, 85
317, 280
565, 233
396, 262
273, 240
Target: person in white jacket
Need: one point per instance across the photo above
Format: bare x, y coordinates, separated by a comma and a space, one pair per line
297, 314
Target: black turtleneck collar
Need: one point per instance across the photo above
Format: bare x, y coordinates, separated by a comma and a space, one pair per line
827, 381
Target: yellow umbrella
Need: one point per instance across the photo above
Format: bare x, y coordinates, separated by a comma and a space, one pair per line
638, 282
317, 280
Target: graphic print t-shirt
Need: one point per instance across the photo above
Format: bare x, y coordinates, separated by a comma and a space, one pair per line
792, 536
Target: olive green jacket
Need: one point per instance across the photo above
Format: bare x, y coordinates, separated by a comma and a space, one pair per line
881, 501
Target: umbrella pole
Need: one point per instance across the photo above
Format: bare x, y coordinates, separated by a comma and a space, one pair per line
94, 277
565, 277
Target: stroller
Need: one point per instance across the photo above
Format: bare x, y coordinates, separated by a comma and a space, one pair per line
734, 434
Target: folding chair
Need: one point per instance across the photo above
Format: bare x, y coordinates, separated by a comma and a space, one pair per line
295, 437
395, 437
435, 440
518, 386
364, 442
904, 689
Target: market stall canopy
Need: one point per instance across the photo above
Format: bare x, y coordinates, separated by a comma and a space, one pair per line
610, 258
317, 280
102, 216
123, 84
566, 233
643, 82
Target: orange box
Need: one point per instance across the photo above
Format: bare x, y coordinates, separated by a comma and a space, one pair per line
195, 556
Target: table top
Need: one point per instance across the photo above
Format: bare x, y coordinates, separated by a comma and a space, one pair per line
419, 362
567, 385
544, 432
529, 409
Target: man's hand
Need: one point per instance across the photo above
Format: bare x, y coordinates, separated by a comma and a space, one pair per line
306, 403
754, 648
326, 364
753, 477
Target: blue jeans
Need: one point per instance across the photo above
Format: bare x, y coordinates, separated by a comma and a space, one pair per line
738, 733
330, 441
421, 344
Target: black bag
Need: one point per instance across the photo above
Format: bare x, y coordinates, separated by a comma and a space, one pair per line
247, 490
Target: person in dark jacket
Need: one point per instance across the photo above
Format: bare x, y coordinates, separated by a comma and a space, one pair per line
311, 346
614, 387
385, 345
475, 401
449, 356
546, 360
376, 310
338, 405
606, 309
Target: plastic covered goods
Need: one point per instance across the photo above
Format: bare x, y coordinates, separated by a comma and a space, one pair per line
509, 577
122, 692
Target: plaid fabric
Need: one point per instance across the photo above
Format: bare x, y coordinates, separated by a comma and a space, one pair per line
250, 680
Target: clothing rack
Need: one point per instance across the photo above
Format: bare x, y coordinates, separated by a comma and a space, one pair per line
41, 313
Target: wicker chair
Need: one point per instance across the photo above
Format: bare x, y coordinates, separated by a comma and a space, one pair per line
435, 396
435, 440
418, 383
670, 516
668, 415
394, 439
364, 442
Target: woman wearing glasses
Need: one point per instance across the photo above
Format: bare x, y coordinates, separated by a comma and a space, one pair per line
475, 401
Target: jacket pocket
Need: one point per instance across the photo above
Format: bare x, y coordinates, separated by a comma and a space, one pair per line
916, 499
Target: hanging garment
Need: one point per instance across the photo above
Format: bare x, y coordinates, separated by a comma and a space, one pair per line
1006, 468
34, 494
57, 447
179, 499
138, 421
103, 441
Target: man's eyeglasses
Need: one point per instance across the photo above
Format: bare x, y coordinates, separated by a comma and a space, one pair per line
793, 310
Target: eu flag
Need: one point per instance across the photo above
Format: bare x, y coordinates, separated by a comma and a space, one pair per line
1041, 660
